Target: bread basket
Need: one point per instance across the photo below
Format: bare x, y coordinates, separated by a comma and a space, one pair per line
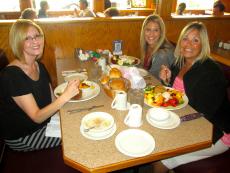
111, 92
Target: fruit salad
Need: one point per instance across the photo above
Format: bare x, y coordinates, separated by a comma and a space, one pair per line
161, 96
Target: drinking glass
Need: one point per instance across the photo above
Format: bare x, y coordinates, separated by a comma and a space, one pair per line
136, 96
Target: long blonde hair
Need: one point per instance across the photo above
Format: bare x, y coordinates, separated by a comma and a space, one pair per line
18, 34
205, 48
143, 44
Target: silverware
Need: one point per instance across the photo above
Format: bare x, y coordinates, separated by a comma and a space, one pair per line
191, 116
88, 129
84, 109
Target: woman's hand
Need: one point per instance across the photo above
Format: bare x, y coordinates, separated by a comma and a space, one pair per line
71, 90
165, 74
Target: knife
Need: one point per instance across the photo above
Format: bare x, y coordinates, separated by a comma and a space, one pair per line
84, 109
191, 116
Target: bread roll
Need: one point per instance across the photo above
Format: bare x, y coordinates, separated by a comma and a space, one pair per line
117, 84
115, 73
105, 80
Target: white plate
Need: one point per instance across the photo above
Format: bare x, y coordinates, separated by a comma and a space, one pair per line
98, 137
172, 122
80, 76
135, 142
102, 121
92, 92
185, 98
131, 57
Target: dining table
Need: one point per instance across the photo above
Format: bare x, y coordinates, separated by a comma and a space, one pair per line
87, 155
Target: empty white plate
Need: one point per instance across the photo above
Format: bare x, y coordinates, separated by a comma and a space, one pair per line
135, 142
172, 122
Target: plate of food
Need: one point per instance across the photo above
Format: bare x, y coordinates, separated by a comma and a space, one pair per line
88, 90
165, 97
124, 60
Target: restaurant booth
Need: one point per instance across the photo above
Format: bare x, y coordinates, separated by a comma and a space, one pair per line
64, 35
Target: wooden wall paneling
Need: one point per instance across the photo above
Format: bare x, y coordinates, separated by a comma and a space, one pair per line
165, 8
227, 5
98, 6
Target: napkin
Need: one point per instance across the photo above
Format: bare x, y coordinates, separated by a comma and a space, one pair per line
53, 127
133, 75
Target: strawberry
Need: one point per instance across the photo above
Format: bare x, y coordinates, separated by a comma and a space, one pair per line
165, 104
173, 102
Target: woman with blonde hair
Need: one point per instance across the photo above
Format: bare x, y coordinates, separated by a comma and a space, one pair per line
195, 73
155, 48
26, 97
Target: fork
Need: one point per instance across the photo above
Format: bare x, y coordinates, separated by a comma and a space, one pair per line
84, 109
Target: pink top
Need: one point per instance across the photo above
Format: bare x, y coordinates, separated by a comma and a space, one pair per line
226, 139
178, 84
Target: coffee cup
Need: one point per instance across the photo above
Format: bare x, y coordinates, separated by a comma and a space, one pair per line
134, 116
120, 100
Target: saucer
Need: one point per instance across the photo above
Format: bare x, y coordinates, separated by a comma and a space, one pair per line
99, 136
172, 122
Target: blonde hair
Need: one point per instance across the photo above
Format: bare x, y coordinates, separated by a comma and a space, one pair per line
156, 19
205, 48
18, 34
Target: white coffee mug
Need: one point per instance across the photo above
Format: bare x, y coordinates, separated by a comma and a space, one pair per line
120, 101
134, 117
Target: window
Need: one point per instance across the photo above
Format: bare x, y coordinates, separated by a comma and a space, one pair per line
138, 3
120, 3
10, 5
56, 5
197, 4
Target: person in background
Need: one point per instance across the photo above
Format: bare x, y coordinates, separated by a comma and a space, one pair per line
26, 97
181, 8
107, 4
111, 12
195, 73
218, 8
44, 6
155, 48
29, 13
84, 10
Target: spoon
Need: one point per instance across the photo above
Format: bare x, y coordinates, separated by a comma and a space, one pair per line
88, 129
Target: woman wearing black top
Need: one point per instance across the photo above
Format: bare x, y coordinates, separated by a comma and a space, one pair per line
25, 91
204, 83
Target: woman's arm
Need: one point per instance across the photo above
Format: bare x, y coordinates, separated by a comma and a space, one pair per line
28, 104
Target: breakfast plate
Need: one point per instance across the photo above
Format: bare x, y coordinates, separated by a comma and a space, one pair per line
168, 98
142, 71
97, 121
73, 76
87, 93
124, 60
135, 142
172, 122
106, 135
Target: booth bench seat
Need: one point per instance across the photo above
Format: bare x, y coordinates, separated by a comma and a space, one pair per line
42, 161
